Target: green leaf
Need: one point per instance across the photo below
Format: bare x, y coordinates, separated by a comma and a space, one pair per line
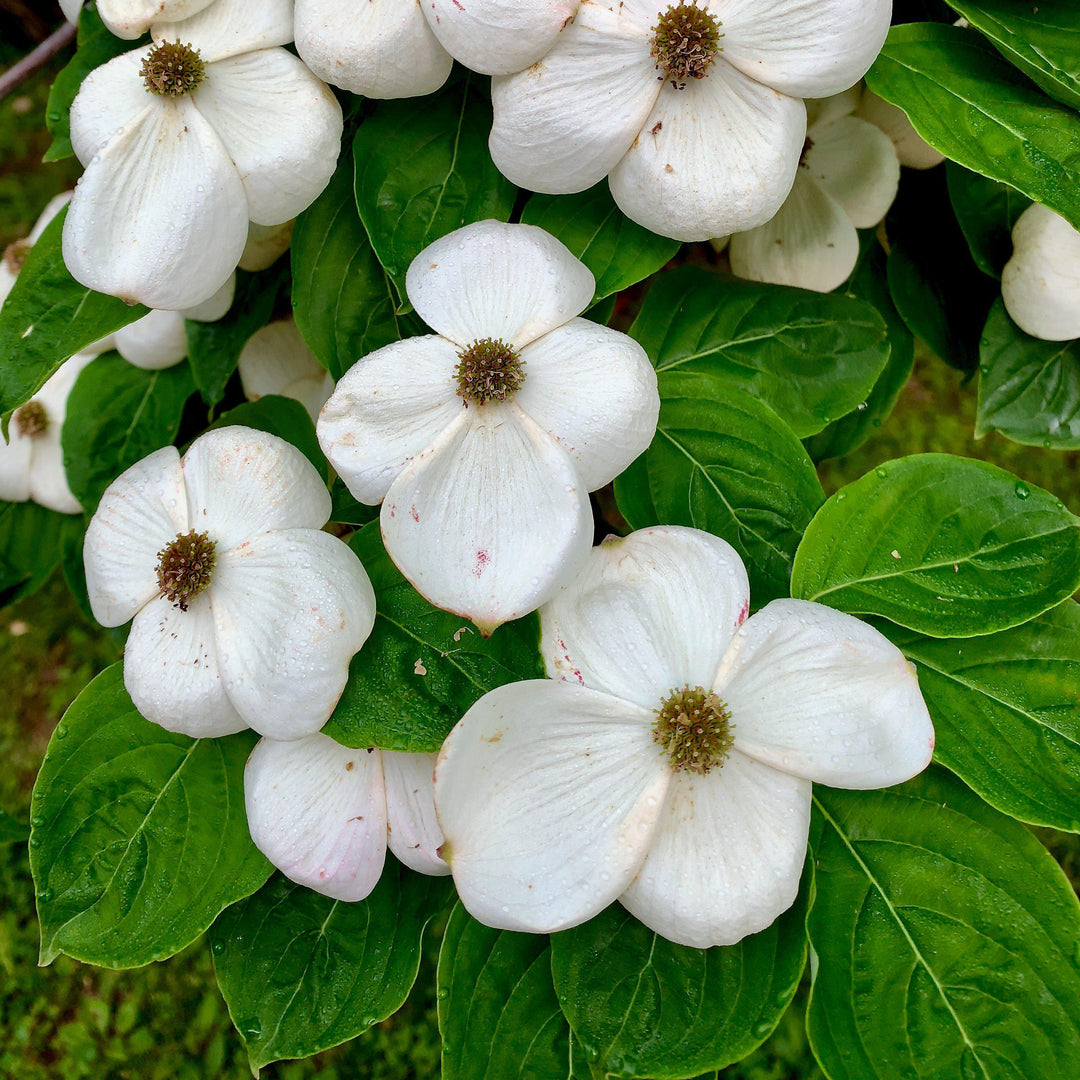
422, 668
869, 282
977, 110
618, 251
347, 509
214, 347
810, 357
422, 170
96, 47
12, 830
1029, 389
947, 546
139, 837
116, 415
498, 1013
301, 972
723, 462
1007, 713
32, 543
943, 939
283, 417
48, 317
1042, 39
987, 212
643, 1006
342, 300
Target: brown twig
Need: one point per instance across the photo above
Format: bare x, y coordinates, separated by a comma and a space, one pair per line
20, 72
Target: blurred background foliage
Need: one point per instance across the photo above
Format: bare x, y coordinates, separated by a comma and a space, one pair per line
167, 1021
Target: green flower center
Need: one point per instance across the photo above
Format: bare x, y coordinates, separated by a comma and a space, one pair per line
172, 69
185, 567
15, 255
694, 729
31, 421
685, 43
489, 370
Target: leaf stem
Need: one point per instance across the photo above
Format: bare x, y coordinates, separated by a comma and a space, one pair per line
38, 58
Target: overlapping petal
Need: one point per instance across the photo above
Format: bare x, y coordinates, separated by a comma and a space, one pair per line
413, 831
276, 360
492, 280
15, 456
548, 795
648, 613
856, 164
230, 27
490, 519
823, 695
726, 856
109, 98
132, 18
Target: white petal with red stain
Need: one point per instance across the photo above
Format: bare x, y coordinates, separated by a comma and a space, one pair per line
491, 519
316, 810
726, 857
141, 511
563, 124
548, 795
413, 831
387, 408
290, 609
493, 280
241, 482
594, 390
649, 613
825, 696
718, 156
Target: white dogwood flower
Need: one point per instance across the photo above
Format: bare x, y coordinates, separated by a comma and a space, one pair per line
912, 149
245, 613
324, 814
184, 142
847, 179
159, 340
32, 461
277, 360
1041, 282
483, 440
692, 110
669, 763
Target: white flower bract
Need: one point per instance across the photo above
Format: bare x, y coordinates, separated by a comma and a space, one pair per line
485, 507
558, 797
132, 18
324, 814
245, 613
276, 360
690, 158
161, 214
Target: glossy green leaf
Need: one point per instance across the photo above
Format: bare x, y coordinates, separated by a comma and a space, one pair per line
987, 212
116, 415
498, 1013
1029, 389
869, 282
422, 668
347, 509
1041, 38
812, 358
976, 109
214, 347
944, 940
642, 1006
618, 251
47, 317
96, 47
301, 972
139, 838
342, 300
12, 830
422, 170
32, 543
1006, 710
947, 546
280, 416
723, 462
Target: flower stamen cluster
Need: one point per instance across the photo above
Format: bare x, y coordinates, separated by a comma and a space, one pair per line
32, 420
185, 567
694, 728
173, 69
685, 43
488, 370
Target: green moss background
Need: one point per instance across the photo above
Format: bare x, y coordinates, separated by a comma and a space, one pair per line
167, 1021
